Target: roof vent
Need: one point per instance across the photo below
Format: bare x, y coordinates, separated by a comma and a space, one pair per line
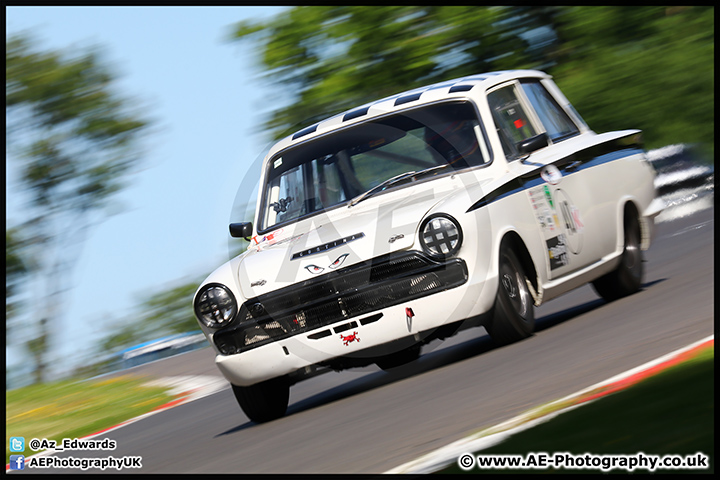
408, 98
307, 131
460, 88
355, 113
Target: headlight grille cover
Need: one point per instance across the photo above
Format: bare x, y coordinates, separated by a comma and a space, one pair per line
440, 235
215, 306
348, 292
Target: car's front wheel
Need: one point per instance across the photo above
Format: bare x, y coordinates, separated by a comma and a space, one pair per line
264, 401
627, 277
514, 316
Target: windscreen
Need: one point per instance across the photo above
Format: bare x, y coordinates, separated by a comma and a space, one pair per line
333, 169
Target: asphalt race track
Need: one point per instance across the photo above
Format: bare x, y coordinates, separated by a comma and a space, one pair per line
369, 421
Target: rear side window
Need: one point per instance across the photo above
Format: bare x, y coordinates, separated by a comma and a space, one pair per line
556, 122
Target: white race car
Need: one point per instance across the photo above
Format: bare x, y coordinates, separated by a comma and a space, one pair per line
464, 203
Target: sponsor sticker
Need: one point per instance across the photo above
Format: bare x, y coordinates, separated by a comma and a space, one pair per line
557, 252
346, 339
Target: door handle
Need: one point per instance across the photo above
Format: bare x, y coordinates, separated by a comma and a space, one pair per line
574, 165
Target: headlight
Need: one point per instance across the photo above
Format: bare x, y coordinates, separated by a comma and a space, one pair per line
440, 235
215, 306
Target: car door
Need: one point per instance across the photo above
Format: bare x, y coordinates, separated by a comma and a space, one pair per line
560, 198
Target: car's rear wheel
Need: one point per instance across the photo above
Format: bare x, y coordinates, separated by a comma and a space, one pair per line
264, 401
627, 277
514, 316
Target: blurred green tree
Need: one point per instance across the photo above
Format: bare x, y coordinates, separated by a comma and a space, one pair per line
17, 268
647, 67
339, 57
72, 140
650, 68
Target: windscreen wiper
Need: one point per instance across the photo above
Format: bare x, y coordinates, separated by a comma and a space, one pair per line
397, 178
379, 187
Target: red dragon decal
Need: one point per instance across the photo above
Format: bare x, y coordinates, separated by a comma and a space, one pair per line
349, 338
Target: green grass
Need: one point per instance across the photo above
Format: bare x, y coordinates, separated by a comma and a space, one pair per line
669, 413
74, 409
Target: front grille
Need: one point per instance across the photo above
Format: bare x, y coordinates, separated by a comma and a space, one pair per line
356, 290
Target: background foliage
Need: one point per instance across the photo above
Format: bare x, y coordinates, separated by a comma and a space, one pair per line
623, 67
72, 139
650, 68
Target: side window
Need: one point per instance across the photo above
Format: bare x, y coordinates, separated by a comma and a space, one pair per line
287, 198
556, 122
511, 120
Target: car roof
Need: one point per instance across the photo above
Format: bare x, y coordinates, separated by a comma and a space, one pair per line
418, 96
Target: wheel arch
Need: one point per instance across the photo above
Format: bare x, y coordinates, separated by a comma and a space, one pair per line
631, 211
646, 228
512, 240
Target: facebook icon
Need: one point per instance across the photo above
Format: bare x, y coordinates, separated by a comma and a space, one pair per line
17, 462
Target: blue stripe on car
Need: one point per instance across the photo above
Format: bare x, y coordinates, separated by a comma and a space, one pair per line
590, 157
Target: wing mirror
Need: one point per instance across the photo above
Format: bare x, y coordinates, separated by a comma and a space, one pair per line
529, 145
241, 230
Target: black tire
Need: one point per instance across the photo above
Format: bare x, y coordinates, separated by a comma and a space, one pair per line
514, 315
626, 279
399, 358
264, 401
